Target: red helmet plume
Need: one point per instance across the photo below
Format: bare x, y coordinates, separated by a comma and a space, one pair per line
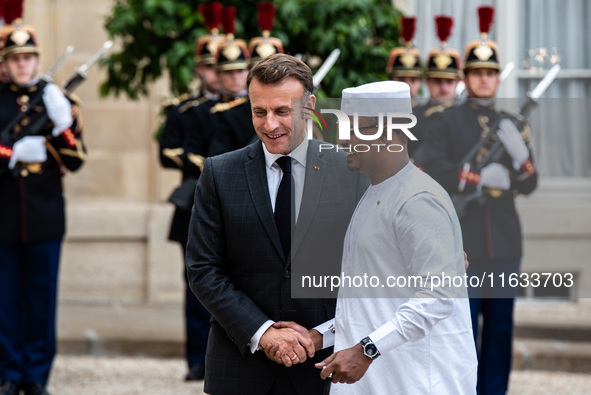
443, 24
212, 14
485, 18
266, 15
14, 10
228, 19
408, 28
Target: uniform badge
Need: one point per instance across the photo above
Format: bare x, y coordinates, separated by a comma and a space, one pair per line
442, 61
265, 49
231, 52
20, 37
483, 52
408, 60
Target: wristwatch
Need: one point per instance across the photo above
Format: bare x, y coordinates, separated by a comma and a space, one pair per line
369, 348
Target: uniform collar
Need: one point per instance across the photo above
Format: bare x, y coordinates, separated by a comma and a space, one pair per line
30, 87
228, 97
210, 95
482, 104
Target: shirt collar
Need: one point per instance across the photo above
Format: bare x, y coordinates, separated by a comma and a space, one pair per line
210, 95
228, 96
300, 154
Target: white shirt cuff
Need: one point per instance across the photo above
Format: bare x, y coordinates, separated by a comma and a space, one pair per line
388, 332
326, 329
254, 341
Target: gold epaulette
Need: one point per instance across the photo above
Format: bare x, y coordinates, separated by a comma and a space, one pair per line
197, 160
175, 101
174, 155
438, 108
193, 103
74, 99
220, 107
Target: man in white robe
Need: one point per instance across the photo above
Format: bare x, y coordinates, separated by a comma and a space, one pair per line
412, 316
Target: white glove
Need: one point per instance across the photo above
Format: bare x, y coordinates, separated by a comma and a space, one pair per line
513, 143
495, 176
58, 109
29, 149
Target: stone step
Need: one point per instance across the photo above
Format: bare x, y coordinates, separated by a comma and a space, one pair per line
551, 355
547, 337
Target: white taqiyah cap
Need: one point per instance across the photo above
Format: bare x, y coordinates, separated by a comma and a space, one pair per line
369, 100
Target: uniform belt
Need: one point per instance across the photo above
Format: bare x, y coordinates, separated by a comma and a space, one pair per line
495, 192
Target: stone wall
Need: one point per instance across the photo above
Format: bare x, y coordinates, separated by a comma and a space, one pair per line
118, 218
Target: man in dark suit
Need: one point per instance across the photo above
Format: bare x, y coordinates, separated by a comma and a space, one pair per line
238, 259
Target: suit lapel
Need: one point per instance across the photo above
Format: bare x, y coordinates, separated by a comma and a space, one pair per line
256, 176
315, 170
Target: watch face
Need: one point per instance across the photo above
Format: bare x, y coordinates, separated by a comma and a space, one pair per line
370, 350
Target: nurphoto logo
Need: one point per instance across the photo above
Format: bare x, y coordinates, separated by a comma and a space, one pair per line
393, 120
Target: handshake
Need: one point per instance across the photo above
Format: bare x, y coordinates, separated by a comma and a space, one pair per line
289, 343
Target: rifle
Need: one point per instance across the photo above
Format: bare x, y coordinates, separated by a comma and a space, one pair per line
45, 79
497, 150
41, 118
80, 74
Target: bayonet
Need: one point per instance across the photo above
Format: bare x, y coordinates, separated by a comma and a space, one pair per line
544, 83
48, 77
81, 71
325, 68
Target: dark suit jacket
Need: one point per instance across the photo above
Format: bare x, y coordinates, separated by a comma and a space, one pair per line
236, 266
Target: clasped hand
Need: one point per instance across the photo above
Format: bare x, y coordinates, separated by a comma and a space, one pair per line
346, 366
289, 343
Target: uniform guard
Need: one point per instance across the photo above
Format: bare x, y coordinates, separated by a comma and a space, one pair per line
444, 64
461, 159
33, 160
229, 121
262, 47
404, 63
181, 121
442, 74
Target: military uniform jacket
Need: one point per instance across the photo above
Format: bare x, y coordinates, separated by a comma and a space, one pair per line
424, 113
492, 229
232, 125
31, 195
207, 128
183, 146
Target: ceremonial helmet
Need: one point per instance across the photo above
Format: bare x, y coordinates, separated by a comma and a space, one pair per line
483, 53
443, 62
232, 54
207, 46
2, 24
262, 47
16, 37
405, 61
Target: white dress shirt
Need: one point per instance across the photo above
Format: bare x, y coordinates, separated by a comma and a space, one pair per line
274, 175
